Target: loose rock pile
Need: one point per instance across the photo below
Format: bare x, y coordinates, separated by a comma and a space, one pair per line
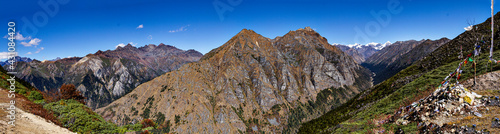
434, 111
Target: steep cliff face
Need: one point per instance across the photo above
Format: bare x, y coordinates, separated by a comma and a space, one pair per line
106, 76
249, 84
355, 55
400, 55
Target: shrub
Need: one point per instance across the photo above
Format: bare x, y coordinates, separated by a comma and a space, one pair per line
148, 123
79, 118
145, 113
42, 102
145, 132
35, 95
51, 96
38, 109
21, 91
160, 118
177, 119
65, 92
68, 91
165, 127
136, 127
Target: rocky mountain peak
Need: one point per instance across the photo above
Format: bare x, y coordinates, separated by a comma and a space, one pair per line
246, 32
306, 29
307, 32
99, 52
128, 46
194, 52
246, 41
246, 35
250, 77
306, 37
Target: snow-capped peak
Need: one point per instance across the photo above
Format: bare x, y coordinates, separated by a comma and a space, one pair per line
356, 45
377, 46
388, 43
383, 45
373, 44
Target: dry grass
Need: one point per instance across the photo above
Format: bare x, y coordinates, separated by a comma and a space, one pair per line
488, 92
408, 101
481, 122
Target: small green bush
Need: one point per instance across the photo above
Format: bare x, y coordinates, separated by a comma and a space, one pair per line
35, 95
160, 118
21, 91
79, 118
39, 102
145, 113
177, 119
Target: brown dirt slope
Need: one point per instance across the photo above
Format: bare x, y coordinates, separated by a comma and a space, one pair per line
26, 123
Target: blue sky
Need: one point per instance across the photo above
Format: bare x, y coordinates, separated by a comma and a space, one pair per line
81, 27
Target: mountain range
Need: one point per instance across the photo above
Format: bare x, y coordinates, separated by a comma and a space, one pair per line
254, 84
385, 60
17, 59
249, 84
396, 57
106, 75
361, 52
409, 85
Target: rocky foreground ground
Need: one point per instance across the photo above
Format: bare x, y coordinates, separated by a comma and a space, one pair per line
456, 108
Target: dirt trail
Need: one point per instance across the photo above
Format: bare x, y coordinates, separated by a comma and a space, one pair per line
26, 123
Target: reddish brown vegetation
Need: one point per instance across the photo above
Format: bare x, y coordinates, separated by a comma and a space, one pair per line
145, 132
51, 96
66, 92
36, 109
148, 123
